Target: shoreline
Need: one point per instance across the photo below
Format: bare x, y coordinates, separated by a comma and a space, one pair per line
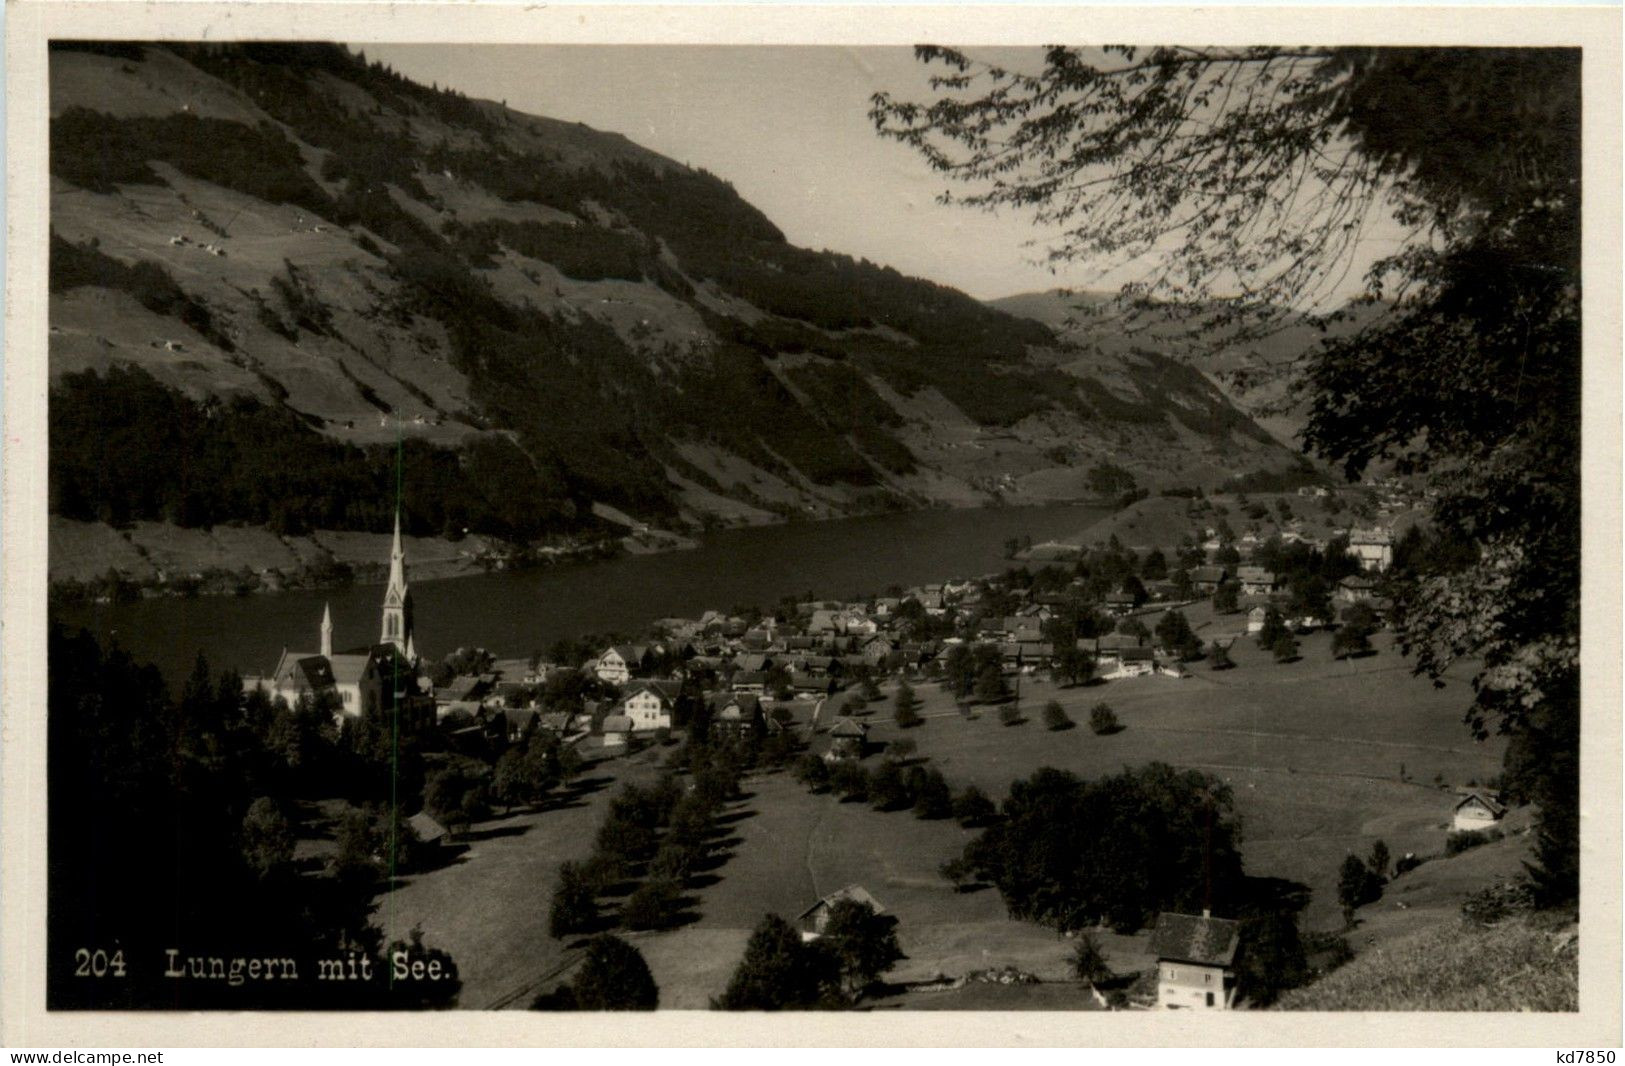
161, 561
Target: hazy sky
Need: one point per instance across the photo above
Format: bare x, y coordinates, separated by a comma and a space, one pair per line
788, 126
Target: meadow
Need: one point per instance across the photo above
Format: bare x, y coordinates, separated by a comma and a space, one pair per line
1312, 750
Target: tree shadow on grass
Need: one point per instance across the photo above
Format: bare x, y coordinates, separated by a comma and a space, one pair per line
733, 817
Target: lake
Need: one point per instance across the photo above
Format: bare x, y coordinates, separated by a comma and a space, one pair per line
513, 614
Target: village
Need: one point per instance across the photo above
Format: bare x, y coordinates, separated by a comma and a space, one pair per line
852, 697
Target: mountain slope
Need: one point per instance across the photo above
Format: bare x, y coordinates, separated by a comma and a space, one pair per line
549, 313
1254, 373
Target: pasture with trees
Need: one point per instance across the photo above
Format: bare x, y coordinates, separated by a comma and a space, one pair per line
1270, 164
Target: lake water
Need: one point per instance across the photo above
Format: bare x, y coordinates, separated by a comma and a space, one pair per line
513, 614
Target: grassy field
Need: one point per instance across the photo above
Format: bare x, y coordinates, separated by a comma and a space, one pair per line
1312, 750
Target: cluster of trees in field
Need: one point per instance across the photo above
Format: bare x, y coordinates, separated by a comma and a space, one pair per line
1071, 853
781, 971
195, 800
125, 447
653, 841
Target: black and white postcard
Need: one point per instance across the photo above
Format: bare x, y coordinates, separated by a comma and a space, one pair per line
528, 513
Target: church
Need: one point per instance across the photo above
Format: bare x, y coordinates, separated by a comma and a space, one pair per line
364, 681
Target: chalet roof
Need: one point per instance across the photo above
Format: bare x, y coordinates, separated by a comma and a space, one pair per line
1357, 581
1489, 803
1209, 573
617, 723
315, 671
744, 706
666, 690
855, 893
1255, 575
1137, 655
1195, 938
848, 727
426, 827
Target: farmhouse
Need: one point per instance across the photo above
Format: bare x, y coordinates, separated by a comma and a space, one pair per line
736, 716
813, 920
1356, 588
648, 705
618, 663
1374, 548
1130, 662
1193, 960
1476, 811
1255, 581
847, 736
617, 727
429, 830
1255, 619
1208, 578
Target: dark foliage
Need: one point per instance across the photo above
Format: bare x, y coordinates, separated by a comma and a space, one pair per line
1069, 853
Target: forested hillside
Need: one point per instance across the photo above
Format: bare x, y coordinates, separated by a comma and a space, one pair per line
318, 265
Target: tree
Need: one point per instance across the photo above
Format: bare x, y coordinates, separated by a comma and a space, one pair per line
1154, 567
959, 670
1351, 640
654, 903
1356, 886
1271, 957
613, 976
779, 971
1073, 665
1069, 853
1103, 720
906, 706
863, 944
1174, 632
932, 797
901, 750
459, 793
1218, 656
1269, 165
1089, 961
887, 789
1055, 716
267, 839
575, 903
849, 781
973, 808
811, 771
1274, 627
1284, 647
1378, 860
990, 686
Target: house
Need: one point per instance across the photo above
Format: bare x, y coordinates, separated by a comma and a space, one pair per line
811, 686
618, 663
648, 705
1255, 619
736, 717
617, 727
1194, 955
848, 738
429, 830
750, 682
1374, 548
1129, 662
875, 649
1476, 811
1356, 588
1119, 603
813, 920
1255, 580
754, 662
513, 724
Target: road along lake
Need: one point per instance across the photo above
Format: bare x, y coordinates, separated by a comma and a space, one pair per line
516, 613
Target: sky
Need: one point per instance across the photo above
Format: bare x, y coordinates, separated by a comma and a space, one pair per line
789, 128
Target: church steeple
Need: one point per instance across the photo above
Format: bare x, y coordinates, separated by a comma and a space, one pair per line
327, 630
397, 628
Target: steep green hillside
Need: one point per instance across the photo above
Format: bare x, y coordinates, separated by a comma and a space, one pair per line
1254, 372
554, 315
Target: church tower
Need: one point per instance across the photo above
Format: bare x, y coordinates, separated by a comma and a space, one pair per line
327, 630
397, 599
